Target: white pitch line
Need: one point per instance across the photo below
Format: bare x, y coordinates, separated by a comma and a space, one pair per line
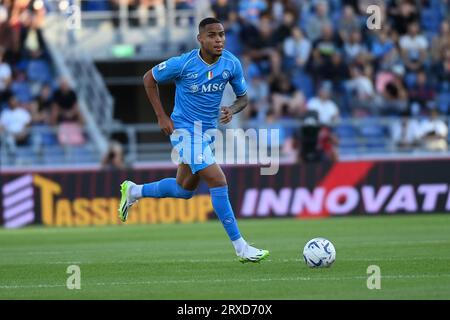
67, 262
392, 277
297, 260
345, 244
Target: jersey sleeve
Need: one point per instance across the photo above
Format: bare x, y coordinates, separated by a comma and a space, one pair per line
237, 81
168, 70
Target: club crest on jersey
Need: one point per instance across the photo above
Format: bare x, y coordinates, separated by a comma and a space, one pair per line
194, 88
225, 74
209, 75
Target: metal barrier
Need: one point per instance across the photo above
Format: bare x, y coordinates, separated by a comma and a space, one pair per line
140, 151
356, 147
43, 149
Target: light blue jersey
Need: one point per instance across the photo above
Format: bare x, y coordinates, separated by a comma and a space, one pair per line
200, 86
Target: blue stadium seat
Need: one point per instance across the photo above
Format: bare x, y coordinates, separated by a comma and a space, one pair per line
82, 154
372, 130
345, 131
443, 103
95, 5
54, 154
25, 152
373, 143
45, 135
431, 19
39, 70
304, 83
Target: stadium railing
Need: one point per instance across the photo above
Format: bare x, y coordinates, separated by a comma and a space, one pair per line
45, 150
358, 139
144, 144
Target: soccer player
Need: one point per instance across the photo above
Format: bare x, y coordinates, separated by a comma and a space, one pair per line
200, 77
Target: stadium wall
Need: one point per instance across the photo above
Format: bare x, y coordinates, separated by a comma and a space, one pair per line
90, 197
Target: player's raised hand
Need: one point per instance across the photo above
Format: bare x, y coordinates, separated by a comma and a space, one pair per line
166, 124
225, 115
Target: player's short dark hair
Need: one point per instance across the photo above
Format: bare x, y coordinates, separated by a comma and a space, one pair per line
207, 21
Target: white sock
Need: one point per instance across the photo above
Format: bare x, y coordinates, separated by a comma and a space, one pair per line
239, 244
136, 191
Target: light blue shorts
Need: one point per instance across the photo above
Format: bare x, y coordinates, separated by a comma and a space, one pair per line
193, 149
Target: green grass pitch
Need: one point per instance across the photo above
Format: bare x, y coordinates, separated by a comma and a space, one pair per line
196, 261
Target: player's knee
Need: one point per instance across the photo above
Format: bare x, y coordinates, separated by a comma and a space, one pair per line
218, 181
184, 194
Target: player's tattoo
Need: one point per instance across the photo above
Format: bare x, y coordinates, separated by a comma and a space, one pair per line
239, 104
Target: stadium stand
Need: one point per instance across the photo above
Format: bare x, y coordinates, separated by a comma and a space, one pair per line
382, 92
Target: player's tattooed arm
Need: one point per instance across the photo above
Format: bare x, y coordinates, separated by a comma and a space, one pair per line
239, 104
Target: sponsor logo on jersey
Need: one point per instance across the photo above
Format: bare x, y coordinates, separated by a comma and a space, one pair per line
213, 87
192, 75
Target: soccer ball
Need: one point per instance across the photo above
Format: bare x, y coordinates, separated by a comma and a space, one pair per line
319, 253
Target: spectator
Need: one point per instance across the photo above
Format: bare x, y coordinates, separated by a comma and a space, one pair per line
327, 110
414, 48
296, 50
260, 46
65, 105
348, 23
114, 158
336, 71
403, 13
5, 73
284, 94
326, 45
323, 50
393, 91
362, 93
405, 133
434, 133
354, 47
382, 45
421, 93
316, 23
42, 105
441, 42
284, 31
15, 122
